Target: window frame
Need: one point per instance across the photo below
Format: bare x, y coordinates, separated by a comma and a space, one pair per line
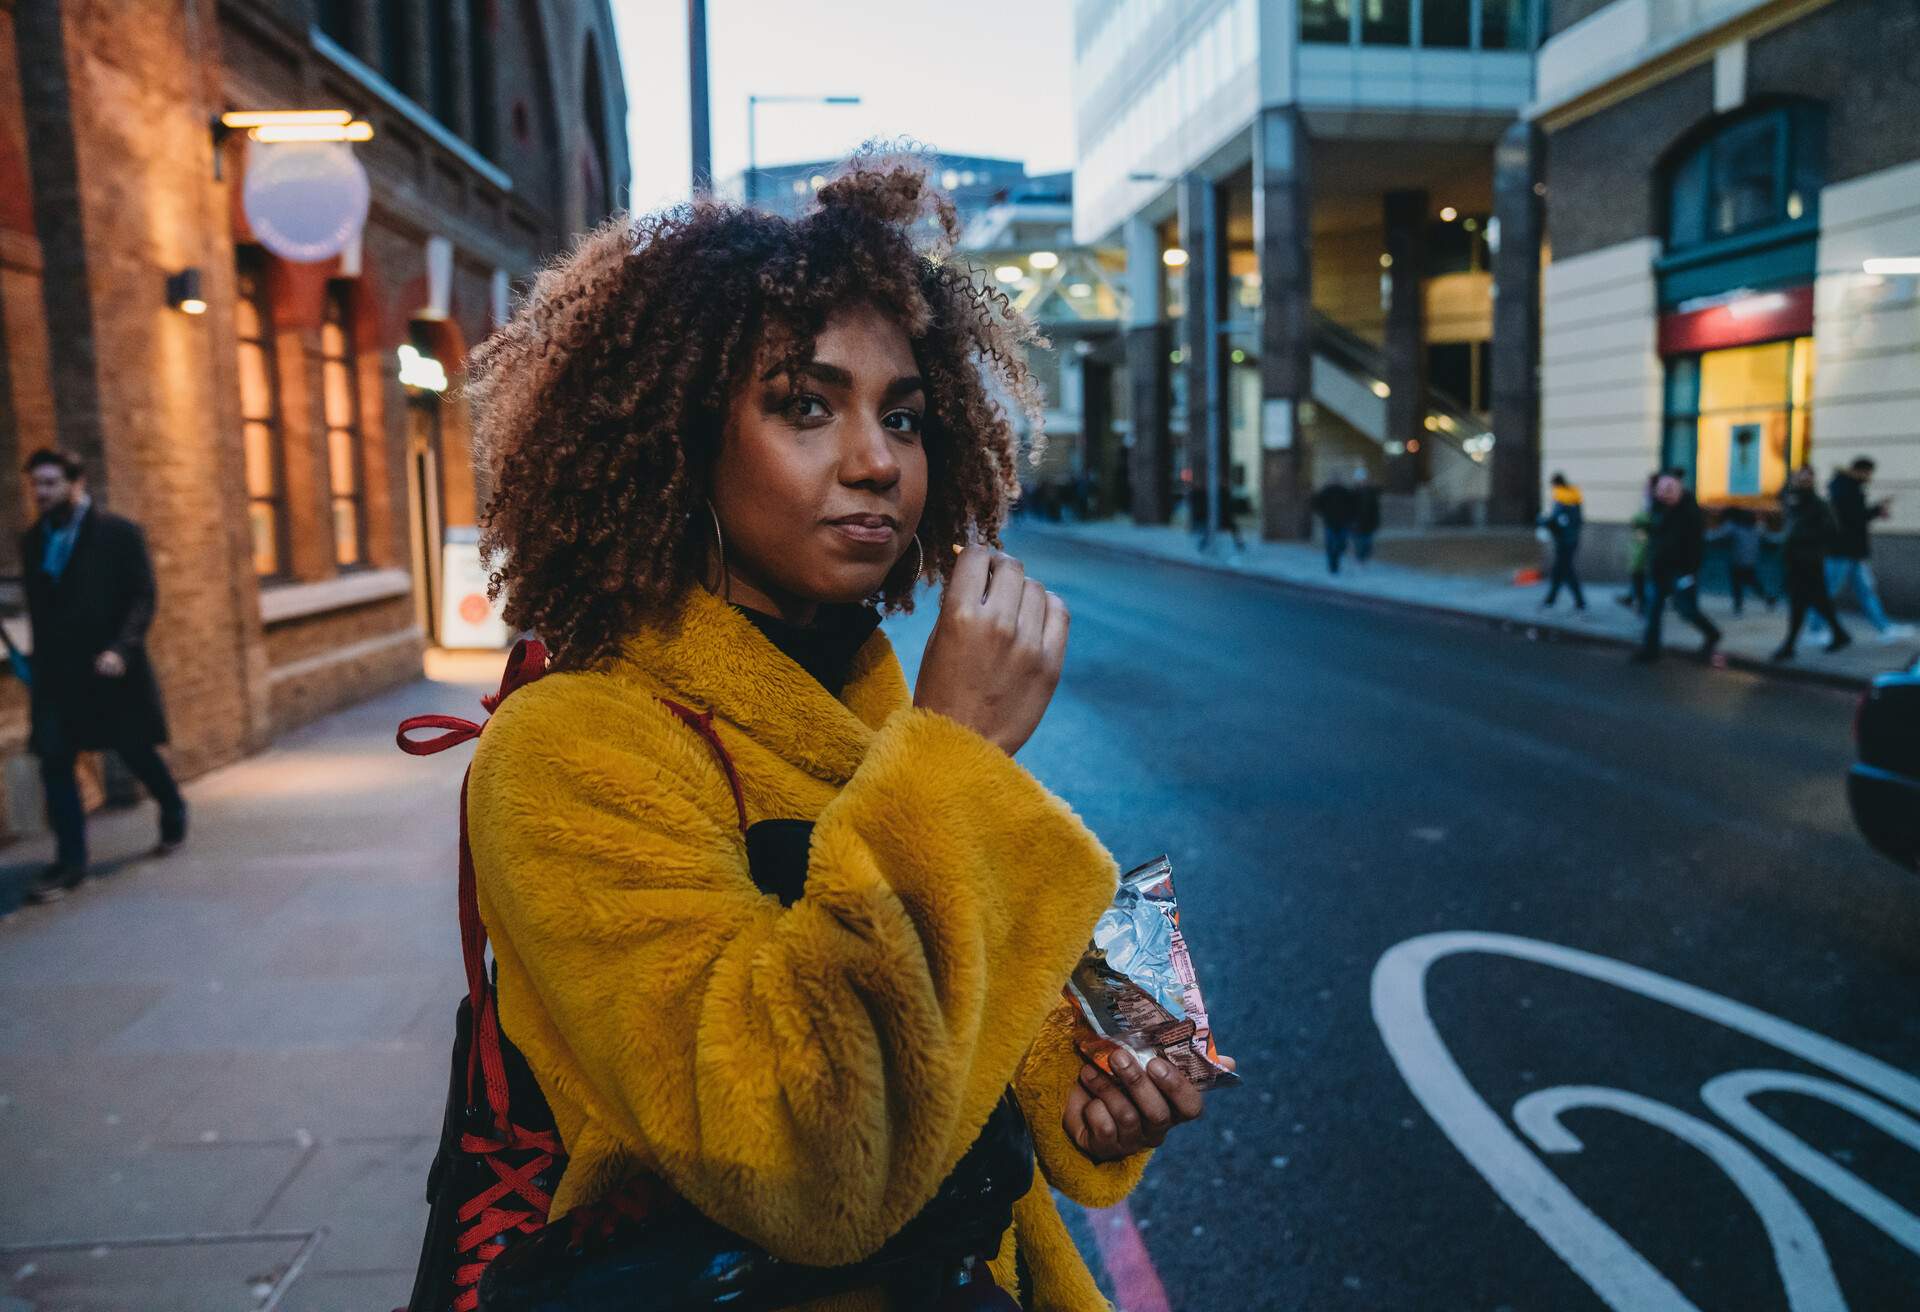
1798, 169
250, 272
339, 313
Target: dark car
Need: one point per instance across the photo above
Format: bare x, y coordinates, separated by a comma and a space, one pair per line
1884, 784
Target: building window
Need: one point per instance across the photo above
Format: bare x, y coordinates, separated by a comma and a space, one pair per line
1326, 20
338, 19
1750, 173
1506, 24
599, 179
1446, 23
396, 46
1738, 419
482, 107
440, 53
340, 400
1386, 22
260, 419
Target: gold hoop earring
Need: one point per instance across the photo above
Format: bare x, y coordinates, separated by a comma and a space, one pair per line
720, 553
919, 559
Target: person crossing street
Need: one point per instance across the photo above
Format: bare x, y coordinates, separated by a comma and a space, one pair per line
1674, 554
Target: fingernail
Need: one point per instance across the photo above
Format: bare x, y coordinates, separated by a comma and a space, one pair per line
1122, 1061
1159, 1068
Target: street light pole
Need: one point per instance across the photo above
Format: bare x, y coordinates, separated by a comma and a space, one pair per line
1199, 207
698, 98
752, 188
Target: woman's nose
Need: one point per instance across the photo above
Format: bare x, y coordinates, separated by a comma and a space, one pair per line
867, 455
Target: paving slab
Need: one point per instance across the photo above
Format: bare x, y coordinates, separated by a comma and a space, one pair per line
221, 1073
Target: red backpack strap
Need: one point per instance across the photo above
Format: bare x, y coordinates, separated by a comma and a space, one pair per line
527, 662
701, 722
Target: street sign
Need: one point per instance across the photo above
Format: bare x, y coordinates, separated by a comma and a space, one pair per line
305, 201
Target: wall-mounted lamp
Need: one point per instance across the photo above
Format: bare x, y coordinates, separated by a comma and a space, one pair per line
183, 292
272, 126
421, 371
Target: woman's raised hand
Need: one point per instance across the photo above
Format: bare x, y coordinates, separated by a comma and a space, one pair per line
994, 658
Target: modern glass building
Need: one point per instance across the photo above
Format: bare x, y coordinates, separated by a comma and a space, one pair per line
1311, 196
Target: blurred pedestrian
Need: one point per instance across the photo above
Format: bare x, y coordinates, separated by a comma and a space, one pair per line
1366, 514
1740, 529
1563, 522
90, 598
1334, 503
1675, 550
670, 889
1848, 560
1640, 531
1811, 533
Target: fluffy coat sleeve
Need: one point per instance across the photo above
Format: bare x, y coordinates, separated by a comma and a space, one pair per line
805, 1076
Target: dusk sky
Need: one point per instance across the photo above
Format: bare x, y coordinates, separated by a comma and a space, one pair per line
986, 77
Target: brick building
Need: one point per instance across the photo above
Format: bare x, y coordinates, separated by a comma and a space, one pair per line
1734, 215
295, 491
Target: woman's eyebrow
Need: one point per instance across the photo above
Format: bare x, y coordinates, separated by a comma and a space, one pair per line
904, 386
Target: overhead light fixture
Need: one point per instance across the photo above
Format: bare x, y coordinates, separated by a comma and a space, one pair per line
1009, 273
1749, 306
261, 118
1173, 257
421, 371
1381, 390
183, 292
1449, 214
1080, 289
277, 133
1893, 266
1044, 260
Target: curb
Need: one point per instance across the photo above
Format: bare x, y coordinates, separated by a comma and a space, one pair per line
1534, 630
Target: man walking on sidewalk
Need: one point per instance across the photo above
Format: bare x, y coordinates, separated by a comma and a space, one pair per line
1847, 558
90, 598
1675, 551
1563, 522
1335, 505
1811, 532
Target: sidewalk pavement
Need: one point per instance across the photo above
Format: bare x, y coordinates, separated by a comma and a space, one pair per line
222, 1073
1470, 573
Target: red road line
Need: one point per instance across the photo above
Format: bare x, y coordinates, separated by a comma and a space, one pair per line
1136, 1285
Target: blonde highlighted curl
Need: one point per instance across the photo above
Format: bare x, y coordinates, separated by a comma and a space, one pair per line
599, 408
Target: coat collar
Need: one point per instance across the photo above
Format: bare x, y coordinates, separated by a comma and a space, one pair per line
712, 657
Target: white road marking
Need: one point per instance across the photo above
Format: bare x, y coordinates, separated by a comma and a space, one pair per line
1805, 1272
1730, 1097
1618, 1274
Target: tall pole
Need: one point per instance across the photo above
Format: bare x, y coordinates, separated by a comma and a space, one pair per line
753, 154
697, 93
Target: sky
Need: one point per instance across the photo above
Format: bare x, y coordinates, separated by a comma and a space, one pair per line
975, 77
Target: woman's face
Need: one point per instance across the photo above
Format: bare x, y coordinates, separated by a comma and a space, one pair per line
821, 479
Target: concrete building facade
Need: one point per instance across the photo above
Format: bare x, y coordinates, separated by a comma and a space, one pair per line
1307, 193
1728, 183
298, 492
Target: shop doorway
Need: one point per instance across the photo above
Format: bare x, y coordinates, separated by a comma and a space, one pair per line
424, 503
1738, 419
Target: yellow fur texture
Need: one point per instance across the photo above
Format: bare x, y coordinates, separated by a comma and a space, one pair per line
807, 1075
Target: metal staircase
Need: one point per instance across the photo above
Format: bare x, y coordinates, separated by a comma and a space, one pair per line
1349, 379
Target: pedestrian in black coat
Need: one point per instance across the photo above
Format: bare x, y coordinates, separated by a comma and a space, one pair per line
1563, 523
1675, 552
1336, 507
1812, 530
90, 598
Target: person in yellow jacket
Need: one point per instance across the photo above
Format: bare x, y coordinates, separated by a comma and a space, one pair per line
721, 442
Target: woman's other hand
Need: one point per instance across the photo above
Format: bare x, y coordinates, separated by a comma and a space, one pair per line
1112, 1116
994, 658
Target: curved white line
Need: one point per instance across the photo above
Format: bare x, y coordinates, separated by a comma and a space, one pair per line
1805, 1272
1615, 1270
1731, 1097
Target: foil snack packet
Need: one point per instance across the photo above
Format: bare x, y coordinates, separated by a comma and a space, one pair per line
1135, 987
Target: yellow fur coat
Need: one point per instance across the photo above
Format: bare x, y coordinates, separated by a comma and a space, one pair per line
807, 1075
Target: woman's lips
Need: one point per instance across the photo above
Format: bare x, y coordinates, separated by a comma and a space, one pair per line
867, 532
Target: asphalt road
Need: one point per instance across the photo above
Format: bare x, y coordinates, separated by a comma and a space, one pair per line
1333, 780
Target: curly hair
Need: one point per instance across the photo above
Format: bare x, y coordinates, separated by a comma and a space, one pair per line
599, 408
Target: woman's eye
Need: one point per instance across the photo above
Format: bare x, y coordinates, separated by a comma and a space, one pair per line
903, 421
804, 407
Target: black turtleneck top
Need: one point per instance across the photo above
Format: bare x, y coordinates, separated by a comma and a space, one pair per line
826, 648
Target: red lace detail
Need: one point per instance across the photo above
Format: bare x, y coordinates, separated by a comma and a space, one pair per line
482, 1241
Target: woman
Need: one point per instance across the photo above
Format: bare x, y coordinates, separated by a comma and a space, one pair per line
717, 438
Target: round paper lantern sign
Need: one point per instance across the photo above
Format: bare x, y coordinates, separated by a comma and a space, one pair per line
306, 201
